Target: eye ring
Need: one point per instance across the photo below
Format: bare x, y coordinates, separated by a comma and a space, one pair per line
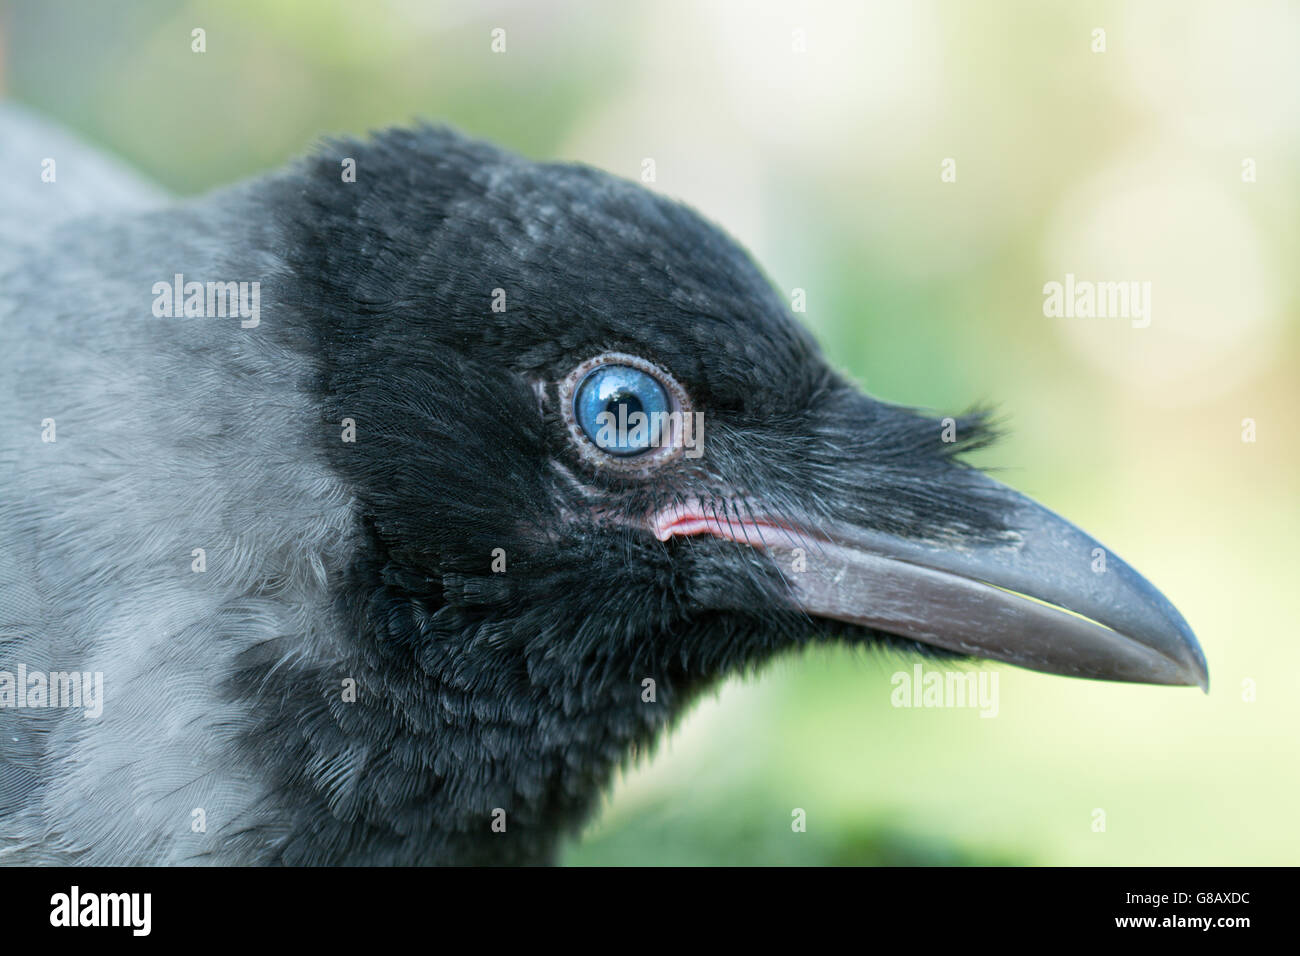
669, 448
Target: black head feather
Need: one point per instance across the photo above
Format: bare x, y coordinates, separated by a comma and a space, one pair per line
521, 689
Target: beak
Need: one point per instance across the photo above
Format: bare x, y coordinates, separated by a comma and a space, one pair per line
1048, 597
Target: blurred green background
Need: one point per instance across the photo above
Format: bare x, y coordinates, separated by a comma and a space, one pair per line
1125, 164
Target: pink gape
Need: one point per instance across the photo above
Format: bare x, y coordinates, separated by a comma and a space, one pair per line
684, 521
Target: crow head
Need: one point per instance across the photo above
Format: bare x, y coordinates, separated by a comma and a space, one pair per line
593, 450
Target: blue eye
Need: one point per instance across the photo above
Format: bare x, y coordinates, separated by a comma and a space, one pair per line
623, 410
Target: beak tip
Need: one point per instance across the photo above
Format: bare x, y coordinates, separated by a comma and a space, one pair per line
1203, 678
1193, 657
1194, 668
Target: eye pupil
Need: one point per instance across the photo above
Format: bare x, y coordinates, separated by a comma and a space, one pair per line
626, 400
622, 409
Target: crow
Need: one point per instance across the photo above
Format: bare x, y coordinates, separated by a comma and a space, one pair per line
377, 510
